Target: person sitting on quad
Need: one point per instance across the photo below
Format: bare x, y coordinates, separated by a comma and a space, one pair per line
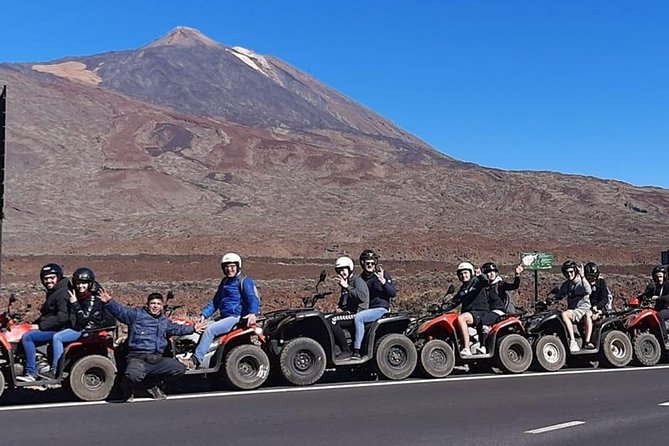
236, 298
354, 298
87, 312
601, 297
381, 291
577, 291
475, 305
148, 331
658, 292
54, 316
498, 290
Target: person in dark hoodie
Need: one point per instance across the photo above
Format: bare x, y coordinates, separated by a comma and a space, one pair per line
498, 290
601, 297
87, 312
54, 316
353, 298
658, 292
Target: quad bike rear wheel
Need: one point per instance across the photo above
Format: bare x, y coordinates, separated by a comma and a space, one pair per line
395, 356
616, 349
92, 378
246, 367
302, 361
550, 354
2, 382
437, 359
647, 349
514, 354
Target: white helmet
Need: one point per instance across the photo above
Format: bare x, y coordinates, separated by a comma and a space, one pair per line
465, 266
231, 257
344, 262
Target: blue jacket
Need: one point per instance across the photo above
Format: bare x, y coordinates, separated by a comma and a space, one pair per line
379, 295
147, 333
230, 301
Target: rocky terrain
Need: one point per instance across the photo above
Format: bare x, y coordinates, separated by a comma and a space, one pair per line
147, 164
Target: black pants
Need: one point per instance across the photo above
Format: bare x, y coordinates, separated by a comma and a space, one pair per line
140, 371
339, 335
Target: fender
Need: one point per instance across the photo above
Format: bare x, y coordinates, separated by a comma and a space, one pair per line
645, 316
444, 321
508, 324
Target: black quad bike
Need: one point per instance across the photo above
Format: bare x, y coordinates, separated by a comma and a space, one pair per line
550, 340
87, 366
302, 342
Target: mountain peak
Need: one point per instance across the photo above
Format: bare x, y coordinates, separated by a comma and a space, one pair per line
183, 36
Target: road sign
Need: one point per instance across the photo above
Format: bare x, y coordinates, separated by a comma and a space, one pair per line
537, 260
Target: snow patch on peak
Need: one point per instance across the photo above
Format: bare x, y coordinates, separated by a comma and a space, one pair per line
253, 60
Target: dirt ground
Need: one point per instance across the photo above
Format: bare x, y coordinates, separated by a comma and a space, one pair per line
282, 283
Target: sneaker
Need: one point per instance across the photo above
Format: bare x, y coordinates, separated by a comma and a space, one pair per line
573, 347
589, 346
465, 352
127, 390
156, 393
49, 374
481, 351
356, 355
26, 378
344, 354
190, 363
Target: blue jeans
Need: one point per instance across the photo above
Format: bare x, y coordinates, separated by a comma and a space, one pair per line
29, 340
67, 335
214, 329
363, 317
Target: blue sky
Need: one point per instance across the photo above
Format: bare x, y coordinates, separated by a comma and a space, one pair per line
570, 86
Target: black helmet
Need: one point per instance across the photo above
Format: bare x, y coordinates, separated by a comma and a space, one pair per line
659, 269
489, 267
51, 268
569, 264
591, 270
368, 254
83, 275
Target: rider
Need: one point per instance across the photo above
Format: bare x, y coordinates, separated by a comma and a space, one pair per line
658, 291
577, 291
497, 289
54, 316
148, 331
381, 291
87, 312
236, 298
475, 306
601, 297
354, 298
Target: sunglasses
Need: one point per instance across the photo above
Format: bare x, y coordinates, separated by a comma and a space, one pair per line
370, 263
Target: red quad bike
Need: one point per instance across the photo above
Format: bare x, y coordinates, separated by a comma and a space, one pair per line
439, 344
87, 366
235, 357
302, 342
648, 332
550, 339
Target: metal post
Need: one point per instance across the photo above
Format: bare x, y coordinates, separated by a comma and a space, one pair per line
3, 108
536, 288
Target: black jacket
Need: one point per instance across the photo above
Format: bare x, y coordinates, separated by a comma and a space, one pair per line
498, 294
90, 314
379, 295
55, 315
601, 297
662, 293
472, 296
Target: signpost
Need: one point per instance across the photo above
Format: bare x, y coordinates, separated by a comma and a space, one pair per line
536, 261
3, 107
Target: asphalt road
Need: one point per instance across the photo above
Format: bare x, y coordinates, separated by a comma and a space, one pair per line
593, 406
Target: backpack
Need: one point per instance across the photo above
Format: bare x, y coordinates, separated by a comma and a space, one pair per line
508, 308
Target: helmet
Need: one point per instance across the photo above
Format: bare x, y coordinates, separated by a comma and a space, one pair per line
83, 275
344, 262
489, 267
368, 254
659, 269
569, 264
591, 270
231, 257
51, 268
465, 266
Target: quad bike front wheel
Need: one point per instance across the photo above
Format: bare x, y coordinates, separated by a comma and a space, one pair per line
246, 367
302, 361
2, 382
647, 349
514, 354
616, 349
437, 359
550, 354
92, 378
395, 356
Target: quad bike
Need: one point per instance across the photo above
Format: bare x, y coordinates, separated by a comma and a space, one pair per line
302, 342
648, 332
235, 357
550, 340
87, 366
502, 345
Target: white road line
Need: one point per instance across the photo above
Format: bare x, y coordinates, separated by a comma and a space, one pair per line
555, 427
664, 404
317, 388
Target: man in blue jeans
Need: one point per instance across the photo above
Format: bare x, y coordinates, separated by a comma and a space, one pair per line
54, 316
381, 291
235, 298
